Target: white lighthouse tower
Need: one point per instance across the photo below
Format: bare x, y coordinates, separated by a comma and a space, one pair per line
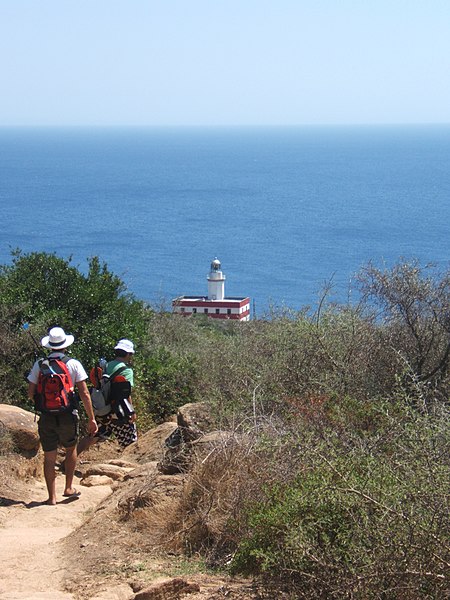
216, 282
215, 305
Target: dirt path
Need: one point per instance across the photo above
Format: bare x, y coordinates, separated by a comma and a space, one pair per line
29, 531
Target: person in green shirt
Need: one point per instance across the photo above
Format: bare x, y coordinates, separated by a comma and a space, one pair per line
124, 431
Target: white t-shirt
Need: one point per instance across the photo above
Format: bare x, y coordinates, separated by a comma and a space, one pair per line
74, 367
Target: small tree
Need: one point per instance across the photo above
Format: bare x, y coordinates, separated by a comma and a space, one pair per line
47, 290
414, 304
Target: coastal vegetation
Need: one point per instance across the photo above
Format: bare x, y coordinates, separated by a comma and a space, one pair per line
334, 482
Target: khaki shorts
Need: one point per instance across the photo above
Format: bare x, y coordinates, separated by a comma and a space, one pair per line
58, 430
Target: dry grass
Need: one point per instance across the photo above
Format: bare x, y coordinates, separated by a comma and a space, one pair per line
16, 476
192, 512
227, 474
6, 441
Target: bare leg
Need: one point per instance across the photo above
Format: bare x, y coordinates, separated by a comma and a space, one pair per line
83, 445
69, 465
50, 476
86, 443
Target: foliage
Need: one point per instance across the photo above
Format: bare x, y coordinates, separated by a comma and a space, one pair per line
344, 507
333, 479
46, 290
369, 517
170, 384
15, 355
415, 308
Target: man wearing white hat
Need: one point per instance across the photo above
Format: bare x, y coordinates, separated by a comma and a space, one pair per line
124, 429
61, 429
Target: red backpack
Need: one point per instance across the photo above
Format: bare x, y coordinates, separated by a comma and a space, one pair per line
55, 392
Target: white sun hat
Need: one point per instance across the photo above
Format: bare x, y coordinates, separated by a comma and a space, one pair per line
57, 339
125, 345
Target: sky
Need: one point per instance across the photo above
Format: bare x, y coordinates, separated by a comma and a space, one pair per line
224, 62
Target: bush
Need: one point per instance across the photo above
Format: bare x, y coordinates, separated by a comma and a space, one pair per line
169, 382
46, 290
414, 305
365, 515
333, 479
348, 507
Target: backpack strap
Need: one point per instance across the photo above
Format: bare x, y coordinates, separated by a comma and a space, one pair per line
64, 359
118, 370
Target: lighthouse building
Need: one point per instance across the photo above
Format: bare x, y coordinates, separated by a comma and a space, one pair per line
215, 305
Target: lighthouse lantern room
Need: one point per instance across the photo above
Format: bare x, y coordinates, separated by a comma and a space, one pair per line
215, 305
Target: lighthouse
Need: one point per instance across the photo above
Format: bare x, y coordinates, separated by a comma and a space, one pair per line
215, 305
216, 282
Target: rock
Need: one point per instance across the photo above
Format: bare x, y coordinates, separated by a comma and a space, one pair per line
150, 445
168, 443
113, 471
137, 585
176, 459
142, 471
122, 463
167, 486
157, 491
194, 420
94, 480
169, 589
22, 426
213, 439
120, 591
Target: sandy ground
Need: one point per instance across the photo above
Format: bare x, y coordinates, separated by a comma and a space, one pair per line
29, 534
52, 552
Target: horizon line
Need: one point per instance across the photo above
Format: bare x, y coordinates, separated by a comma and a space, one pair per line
217, 126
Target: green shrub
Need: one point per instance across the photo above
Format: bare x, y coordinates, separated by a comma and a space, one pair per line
412, 303
46, 290
334, 483
366, 513
169, 382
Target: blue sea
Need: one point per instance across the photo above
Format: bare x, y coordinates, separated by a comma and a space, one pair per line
286, 210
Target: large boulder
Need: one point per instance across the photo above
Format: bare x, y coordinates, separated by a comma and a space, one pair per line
176, 459
22, 427
194, 422
150, 445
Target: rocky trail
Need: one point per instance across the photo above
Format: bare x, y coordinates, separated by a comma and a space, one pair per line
32, 566
49, 553
94, 546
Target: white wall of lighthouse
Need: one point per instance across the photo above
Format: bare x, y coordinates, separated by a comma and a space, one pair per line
216, 282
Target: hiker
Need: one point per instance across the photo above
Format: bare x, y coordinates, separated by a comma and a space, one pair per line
124, 430
59, 426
